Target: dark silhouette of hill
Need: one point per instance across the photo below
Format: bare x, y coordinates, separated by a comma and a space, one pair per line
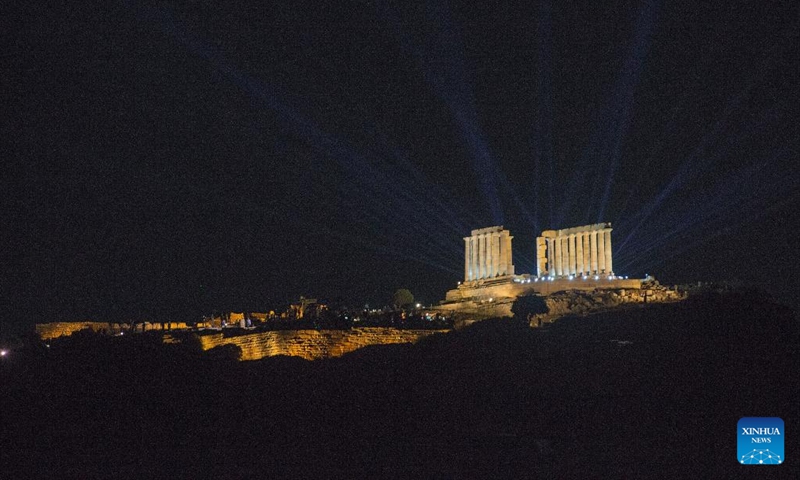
650, 392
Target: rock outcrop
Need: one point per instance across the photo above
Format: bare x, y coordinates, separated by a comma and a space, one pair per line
312, 344
575, 302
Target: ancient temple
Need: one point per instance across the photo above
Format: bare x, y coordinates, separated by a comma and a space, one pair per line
487, 254
575, 252
570, 259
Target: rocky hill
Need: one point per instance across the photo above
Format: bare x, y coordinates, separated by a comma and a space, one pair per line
648, 391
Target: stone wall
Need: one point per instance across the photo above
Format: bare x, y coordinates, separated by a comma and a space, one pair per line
312, 344
49, 331
526, 285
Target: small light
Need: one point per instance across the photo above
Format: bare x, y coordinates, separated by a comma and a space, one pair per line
491, 299
3, 353
418, 305
596, 277
585, 277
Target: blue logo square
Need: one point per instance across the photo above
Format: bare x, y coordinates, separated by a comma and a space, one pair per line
760, 441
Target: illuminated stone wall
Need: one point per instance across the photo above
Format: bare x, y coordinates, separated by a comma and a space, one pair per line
526, 285
313, 344
49, 331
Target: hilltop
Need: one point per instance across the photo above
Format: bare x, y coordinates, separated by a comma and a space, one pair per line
640, 391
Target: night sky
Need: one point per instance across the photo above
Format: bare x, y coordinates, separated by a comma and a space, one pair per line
173, 158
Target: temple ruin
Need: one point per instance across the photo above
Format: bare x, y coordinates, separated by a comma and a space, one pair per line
577, 251
487, 254
570, 259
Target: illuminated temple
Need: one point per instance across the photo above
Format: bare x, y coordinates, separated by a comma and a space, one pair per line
576, 258
578, 251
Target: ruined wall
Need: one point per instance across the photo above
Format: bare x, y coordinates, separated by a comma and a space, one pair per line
312, 344
49, 331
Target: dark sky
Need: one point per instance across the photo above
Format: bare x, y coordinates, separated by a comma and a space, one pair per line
189, 156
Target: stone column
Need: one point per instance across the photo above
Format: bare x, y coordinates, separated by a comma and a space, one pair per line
490, 251
501, 256
601, 252
510, 262
541, 256
507, 254
474, 261
473, 251
476, 272
564, 255
609, 269
572, 256
499, 251
481, 250
495, 255
587, 253
558, 256
466, 259
593, 241
549, 253
579, 269
509, 257
487, 259
489, 255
